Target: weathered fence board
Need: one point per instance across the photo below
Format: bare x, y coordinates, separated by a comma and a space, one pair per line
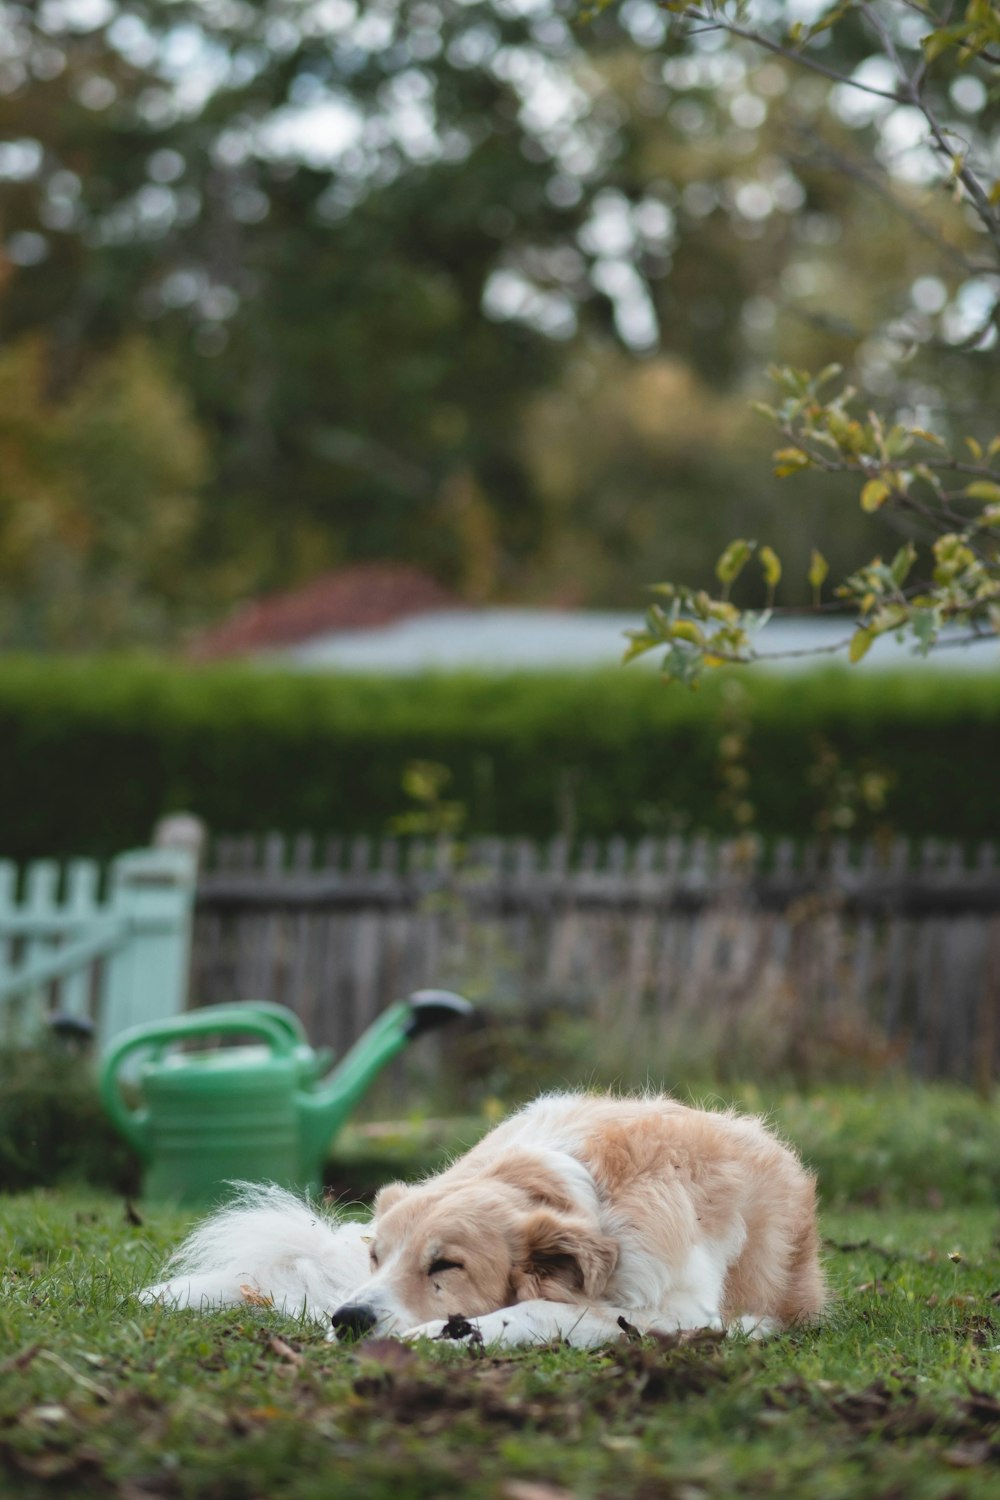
888, 950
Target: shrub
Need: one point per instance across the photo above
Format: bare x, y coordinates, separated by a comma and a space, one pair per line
93, 751
52, 1126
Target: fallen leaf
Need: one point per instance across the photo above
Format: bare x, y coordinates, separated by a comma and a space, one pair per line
22, 1360
534, 1489
254, 1297
388, 1354
54, 1464
282, 1350
982, 1407
968, 1455
49, 1413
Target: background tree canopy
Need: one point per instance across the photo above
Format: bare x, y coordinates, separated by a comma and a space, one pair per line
291, 283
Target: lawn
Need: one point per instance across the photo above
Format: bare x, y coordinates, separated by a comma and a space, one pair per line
896, 1395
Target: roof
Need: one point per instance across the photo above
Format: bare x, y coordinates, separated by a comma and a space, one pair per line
355, 598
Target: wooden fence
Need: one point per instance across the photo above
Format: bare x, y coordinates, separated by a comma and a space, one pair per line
882, 953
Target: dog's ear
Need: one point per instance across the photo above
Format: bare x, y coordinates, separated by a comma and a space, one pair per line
387, 1197
564, 1259
523, 1170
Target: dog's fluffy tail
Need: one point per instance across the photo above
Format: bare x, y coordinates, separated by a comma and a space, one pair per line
267, 1248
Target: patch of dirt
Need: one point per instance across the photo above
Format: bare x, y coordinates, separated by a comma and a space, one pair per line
897, 1411
656, 1368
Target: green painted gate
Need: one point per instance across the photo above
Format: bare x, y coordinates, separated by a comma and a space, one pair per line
113, 951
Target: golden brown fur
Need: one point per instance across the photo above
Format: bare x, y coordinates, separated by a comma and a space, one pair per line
670, 1216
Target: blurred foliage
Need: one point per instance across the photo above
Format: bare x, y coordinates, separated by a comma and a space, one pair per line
53, 1128
912, 452
99, 498
466, 283
916, 1144
577, 754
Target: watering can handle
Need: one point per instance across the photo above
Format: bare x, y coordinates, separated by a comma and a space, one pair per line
216, 1021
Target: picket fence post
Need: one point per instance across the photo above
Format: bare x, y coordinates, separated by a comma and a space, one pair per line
151, 894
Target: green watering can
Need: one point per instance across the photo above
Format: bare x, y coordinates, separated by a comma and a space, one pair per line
260, 1113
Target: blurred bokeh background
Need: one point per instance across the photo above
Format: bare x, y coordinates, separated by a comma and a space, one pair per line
481, 285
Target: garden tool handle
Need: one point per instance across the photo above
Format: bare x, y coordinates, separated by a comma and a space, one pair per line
218, 1020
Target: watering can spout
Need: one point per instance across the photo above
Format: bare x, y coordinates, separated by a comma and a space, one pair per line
430, 1009
324, 1108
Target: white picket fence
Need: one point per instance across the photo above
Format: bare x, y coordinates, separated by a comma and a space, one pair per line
111, 948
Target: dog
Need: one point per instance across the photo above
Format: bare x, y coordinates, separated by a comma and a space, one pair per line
578, 1218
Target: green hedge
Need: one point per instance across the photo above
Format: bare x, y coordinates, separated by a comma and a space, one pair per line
93, 751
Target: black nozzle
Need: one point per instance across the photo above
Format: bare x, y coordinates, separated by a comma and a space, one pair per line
433, 1008
79, 1029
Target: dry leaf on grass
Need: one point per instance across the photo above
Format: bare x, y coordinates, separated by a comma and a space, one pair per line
254, 1297
534, 1489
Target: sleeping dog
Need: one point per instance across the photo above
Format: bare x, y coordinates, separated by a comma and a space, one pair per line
576, 1214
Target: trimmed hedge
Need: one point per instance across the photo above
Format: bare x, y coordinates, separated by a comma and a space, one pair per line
93, 751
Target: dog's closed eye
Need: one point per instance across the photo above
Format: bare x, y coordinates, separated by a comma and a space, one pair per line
437, 1266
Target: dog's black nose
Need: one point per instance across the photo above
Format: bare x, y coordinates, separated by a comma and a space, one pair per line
353, 1320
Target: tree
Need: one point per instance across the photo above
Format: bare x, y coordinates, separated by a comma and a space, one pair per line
101, 490
319, 213
928, 71
424, 270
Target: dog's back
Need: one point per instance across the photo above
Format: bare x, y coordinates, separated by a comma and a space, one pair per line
674, 1182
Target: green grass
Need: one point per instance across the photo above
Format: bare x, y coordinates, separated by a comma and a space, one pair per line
101, 1396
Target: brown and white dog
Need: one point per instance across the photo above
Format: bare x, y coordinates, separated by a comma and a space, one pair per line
576, 1212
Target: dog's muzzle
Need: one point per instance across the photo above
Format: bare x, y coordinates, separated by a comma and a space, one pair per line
353, 1320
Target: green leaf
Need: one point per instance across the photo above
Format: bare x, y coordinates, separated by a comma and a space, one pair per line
860, 644
732, 562
770, 564
982, 489
902, 563
939, 41
818, 570
790, 461
874, 495
925, 624
639, 644
687, 630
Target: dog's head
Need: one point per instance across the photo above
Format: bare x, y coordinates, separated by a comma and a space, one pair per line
466, 1244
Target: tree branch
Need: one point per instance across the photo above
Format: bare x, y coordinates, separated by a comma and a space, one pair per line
723, 23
